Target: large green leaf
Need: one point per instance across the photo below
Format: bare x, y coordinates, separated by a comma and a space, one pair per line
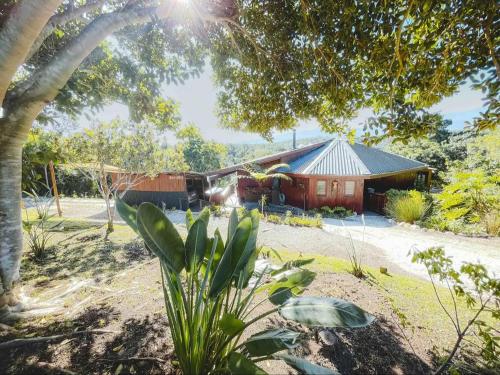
231, 325
240, 365
251, 245
290, 286
325, 312
127, 213
196, 243
160, 236
292, 264
233, 224
305, 367
189, 218
205, 215
271, 341
232, 254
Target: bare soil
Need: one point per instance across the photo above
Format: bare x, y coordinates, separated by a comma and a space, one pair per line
121, 292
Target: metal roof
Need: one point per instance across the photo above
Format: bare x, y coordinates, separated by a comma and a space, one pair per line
341, 158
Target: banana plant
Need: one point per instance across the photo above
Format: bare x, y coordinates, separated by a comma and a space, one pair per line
209, 303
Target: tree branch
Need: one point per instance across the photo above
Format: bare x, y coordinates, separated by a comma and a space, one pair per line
60, 20
17, 35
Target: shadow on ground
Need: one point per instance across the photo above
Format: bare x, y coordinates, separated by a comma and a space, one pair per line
140, 347
85, 252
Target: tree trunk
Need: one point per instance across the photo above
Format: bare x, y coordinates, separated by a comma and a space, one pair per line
11, 236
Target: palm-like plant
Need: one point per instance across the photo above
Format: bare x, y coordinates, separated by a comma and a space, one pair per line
209, 297
261, 175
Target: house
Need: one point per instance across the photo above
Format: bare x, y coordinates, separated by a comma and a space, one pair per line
332, 173
169, 189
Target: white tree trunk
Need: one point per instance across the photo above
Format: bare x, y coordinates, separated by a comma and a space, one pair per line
11, 235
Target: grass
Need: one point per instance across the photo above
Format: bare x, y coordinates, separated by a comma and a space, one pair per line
412, 299
408, 208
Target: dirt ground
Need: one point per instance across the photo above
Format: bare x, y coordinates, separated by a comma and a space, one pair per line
116, 287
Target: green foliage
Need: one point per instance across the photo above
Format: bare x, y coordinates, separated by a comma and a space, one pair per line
276, 219
469, 196
481, 292
39, 230
395, 58
196, 154
406, 206
337, 212
40, 148
209, 305
304, 221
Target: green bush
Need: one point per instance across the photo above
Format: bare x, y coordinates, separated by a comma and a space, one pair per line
305, 221
276, 219
406, 206
209, 297
335, 212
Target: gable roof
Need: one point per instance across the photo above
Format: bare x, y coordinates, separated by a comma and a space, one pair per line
341, 158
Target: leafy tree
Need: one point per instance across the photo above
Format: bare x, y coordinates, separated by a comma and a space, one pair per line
116, 156
41, 148
275, 62
200, 155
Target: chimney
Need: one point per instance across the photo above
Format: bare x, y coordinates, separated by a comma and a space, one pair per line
294, 143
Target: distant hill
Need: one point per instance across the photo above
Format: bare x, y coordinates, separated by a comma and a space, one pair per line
242, 152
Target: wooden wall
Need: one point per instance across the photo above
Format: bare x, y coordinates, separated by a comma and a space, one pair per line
336, 197
163, 182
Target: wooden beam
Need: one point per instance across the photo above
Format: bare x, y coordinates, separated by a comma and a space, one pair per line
54, 187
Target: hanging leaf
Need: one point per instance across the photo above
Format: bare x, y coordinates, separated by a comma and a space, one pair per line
240, 365
305, 367
127, 213
160, 236
196, 243
325, 312
271, 341
231, 325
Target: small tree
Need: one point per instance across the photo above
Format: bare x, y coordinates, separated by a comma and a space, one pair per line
481, 295
261, 175
117, 156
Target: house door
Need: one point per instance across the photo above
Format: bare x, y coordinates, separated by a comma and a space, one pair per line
303, 187
335, 193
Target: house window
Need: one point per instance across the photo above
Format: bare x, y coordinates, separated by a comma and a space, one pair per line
321, 187
349, 188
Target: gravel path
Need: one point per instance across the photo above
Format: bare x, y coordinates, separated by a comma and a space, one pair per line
379, 242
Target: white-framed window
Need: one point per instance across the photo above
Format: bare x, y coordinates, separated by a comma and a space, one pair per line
349, 188
321, 187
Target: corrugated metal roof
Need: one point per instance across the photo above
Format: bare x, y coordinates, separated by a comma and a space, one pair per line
340, 158
378, 161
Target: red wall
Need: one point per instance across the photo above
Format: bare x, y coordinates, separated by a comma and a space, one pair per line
336, 197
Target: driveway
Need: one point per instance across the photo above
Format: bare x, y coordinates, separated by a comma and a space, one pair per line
397, 241
379, 241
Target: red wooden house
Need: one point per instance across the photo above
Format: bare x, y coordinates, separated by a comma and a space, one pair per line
333, 173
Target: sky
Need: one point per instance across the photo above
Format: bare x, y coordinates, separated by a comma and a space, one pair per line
197, 100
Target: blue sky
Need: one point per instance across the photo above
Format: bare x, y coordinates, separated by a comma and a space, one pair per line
197, 100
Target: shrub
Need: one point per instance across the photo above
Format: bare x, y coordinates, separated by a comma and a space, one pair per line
276, 219
491, 222
209, 306
481, 294
335, 212
305, 221
38, 231
407, 207
216, 210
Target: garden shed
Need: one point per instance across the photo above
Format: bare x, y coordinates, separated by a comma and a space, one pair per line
333, 173
169, 189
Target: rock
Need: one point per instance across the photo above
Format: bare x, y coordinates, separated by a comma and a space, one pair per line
327, 337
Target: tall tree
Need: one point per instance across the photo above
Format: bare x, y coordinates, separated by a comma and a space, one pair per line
116, 156
200, 155
275, 62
